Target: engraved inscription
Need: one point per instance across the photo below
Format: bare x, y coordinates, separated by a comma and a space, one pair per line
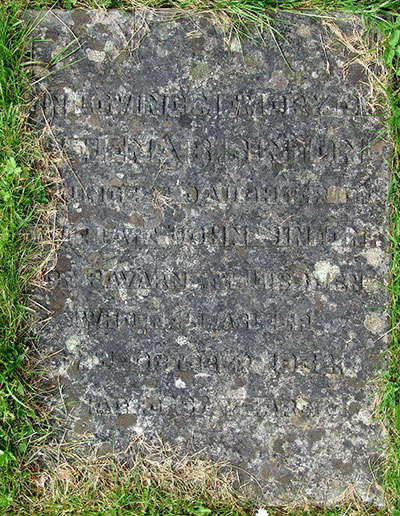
221, 236
260, 280
194, 195
273, 364
285, 150
235, 106
190, 320
268, 407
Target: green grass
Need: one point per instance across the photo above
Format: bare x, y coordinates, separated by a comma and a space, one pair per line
21, 191
390, 404
101, 487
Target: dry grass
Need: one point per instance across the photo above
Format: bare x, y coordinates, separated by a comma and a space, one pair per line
80, 470
360, 49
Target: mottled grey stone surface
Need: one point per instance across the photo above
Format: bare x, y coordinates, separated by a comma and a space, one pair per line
221, 278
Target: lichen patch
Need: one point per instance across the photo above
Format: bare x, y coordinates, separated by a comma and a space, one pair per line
375, 257
376, 323
325, 272
73, 343
97, 56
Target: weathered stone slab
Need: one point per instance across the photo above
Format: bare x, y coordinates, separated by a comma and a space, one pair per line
222, 273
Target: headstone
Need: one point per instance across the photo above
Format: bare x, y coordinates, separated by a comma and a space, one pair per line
221, 283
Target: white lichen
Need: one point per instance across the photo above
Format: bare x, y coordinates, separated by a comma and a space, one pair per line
180, 384
375, 257
73, 343
97, 56
325, 272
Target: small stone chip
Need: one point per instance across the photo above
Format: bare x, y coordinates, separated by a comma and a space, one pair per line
336, 195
